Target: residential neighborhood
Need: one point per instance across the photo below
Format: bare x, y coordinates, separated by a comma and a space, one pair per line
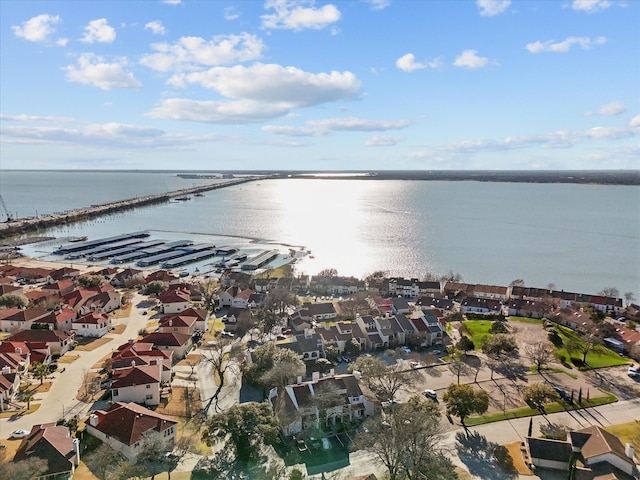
143, 366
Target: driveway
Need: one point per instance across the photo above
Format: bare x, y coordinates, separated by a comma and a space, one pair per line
61, 398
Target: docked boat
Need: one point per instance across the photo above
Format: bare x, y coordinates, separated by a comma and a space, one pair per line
183, 199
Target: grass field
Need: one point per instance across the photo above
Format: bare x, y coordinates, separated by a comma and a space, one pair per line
478, 331
598, 358
627, 433
534, 321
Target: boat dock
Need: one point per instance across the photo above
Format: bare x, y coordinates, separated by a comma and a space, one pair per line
260, 260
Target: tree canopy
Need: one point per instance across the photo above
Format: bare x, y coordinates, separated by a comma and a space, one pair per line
407, 442
91, 281
383, 380
464, 400
11, 300
244, 428
499, 344
537, 394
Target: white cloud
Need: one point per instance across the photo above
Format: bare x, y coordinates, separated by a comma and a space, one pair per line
62, 42
565, 45
38, 28
489, 8
470, 59
557, 139
191, 52
378, 4
274, 84
230, 13
35, 118
610, 109
93, 70
243, 111
172, 2
156, 27
316, 128
298, 15
98, 31
590, 6
383, 141
635, 121
112, 135
408, 63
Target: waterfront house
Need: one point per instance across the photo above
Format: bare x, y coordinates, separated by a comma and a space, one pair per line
128, 277
54, 444
124, 427
529, 293
402, 287
298, 407
162, 276
93, 324
139, 384
493, 292
63, 273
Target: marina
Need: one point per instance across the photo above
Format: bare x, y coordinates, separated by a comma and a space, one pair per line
260, 260
81, 246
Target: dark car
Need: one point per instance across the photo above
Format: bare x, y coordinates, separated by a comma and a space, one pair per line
562, 392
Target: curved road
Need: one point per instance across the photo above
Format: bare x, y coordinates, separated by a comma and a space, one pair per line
65, 386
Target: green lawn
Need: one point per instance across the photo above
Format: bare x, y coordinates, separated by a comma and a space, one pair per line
601, 357
530, 412
535, 321
478, 331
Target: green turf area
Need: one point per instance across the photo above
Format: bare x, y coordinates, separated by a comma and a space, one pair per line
535, 321
478, 331
597, 358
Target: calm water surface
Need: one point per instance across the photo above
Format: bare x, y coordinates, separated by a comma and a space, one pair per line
579, 237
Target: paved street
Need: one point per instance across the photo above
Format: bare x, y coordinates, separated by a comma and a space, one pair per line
61, 398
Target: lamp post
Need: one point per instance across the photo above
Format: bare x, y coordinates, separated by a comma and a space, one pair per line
63, 412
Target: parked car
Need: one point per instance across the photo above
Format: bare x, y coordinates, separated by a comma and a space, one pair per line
432, 394
302, 447
406, 349
632, 371
562, 392
19, 433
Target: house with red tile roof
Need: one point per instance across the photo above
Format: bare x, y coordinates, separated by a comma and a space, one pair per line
60, 288
175, 300
33, 275
124, 426
58, 341
54, 444
92, 324
64, 319
64, 273
6, 288
139, 384
128, 276
142, 360
15, 362
76, 298
38, 352
178, 343
162, 276
9, 386
103, 302
21, 319
178, 324
42, 298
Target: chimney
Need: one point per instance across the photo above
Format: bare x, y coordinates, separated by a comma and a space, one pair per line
131, 341
332, 372
315, 376
76, 448
357, 374
6, 369
93, 420
133, 363
628, 450
19, 350
299, 380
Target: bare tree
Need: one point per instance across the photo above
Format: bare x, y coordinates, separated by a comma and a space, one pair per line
610, 292
629, 297
518, 282
209, 292
385, 381
540, 354
222, 357
458, 366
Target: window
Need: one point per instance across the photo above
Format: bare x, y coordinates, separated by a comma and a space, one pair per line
115, 392
148, 386
148, 397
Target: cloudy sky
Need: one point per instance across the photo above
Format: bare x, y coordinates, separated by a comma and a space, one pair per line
320, 85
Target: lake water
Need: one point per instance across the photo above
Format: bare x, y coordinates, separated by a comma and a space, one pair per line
579, 237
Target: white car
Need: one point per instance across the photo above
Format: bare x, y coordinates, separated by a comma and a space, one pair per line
632, 371
406, 349
19, 433
431, 394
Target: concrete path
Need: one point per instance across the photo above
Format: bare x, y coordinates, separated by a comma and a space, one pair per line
61, 400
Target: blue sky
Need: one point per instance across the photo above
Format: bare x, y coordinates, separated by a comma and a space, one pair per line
315, 85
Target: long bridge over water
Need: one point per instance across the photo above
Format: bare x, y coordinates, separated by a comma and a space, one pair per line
20, 226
